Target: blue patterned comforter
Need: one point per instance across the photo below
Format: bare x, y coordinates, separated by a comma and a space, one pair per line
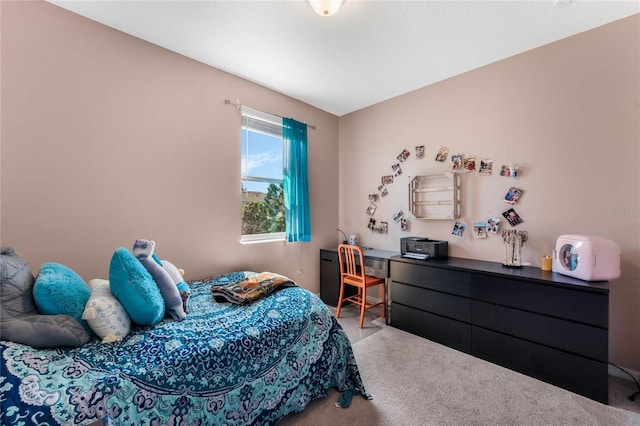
224, 365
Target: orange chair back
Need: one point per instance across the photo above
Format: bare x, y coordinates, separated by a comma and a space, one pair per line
352, 268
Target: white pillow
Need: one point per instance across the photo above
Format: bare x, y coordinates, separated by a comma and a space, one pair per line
104, 313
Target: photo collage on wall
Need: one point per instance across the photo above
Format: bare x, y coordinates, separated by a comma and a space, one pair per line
383, 191
482, 229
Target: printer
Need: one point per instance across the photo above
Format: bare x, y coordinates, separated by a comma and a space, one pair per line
423, 248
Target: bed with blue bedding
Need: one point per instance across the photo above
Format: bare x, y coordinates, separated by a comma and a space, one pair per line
225, 364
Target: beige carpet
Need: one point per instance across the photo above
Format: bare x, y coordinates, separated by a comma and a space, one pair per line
418, 382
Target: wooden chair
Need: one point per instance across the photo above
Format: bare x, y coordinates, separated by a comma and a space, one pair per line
352, 272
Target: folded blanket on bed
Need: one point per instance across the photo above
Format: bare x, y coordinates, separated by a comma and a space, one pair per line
251, 288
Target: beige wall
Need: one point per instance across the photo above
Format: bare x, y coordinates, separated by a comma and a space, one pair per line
107, 138
566, 113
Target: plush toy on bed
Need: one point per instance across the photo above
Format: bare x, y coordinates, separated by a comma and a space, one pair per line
20, 320
105, 314
143, 250
176, 275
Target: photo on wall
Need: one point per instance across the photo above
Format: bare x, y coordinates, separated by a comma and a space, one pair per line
371, 209
486, 167
513, 195
403, 155
512, 217
398, 215
479, 229
493, 224
420, 152
469, 164
510, 170
442, 154
458, 229
456, 159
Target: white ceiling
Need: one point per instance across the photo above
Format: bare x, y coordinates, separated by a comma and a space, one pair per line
368, 52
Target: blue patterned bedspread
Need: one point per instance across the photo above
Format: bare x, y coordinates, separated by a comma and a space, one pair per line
224, 365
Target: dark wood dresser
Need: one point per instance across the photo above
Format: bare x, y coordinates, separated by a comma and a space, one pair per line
540, 323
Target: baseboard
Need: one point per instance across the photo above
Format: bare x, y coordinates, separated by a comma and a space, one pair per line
615, 371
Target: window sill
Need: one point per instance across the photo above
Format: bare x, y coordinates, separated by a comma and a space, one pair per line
262, 238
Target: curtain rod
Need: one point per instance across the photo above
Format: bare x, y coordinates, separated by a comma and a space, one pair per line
238, 105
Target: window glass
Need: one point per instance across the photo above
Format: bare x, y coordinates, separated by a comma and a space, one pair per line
263, 216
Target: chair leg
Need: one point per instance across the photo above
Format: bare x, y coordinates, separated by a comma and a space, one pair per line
363, 306
340, 300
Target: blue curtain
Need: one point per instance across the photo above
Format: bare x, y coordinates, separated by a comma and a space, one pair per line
296, 182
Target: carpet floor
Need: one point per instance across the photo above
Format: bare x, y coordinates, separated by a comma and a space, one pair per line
415, 381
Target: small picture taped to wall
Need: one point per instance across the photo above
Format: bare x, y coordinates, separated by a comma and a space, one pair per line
456, 159
397, 171
486, 167
479, 229
398, 216
383, 228
512, 217
403, 155
442, 154
510, 170
420, 152
372, 223
458, 229
371, 209
513, 195
493, 224
386, 180
469, 164
383, 190
404, 224
373, 198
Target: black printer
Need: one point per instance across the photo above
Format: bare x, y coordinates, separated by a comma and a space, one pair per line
423, 248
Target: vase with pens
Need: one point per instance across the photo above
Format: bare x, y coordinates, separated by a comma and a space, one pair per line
513, 242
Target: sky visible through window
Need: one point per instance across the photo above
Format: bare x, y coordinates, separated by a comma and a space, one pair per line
261, 157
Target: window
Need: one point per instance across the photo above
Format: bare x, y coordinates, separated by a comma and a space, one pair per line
263, 216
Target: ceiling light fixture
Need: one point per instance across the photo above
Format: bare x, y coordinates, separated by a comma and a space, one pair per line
326, 7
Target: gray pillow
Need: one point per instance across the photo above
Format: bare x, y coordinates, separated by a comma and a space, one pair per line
20, 321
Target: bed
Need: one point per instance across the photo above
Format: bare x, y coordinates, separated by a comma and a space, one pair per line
225, 364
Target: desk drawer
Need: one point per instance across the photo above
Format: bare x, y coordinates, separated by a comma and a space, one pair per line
581, 339
582, 306
444, 280
581, 375
447, 305
449, 332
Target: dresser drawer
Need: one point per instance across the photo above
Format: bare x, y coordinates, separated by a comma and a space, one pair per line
576, 305
577, 374
581, 339
445, 280
446, 331
444, 304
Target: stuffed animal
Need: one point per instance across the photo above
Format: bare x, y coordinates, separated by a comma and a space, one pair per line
176, 275
143, 251
105, 314
20, 320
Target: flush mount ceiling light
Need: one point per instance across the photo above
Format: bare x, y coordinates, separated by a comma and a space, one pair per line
326, 7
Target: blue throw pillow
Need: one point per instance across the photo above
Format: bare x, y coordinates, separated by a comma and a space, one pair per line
135, 289
58, 290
